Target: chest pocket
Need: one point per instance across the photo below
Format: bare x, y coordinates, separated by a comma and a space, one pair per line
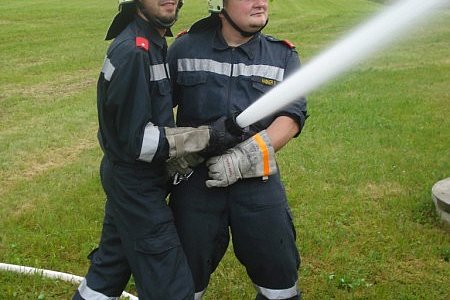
202, 97
191, 78
263, 84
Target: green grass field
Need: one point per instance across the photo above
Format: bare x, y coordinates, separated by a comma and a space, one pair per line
358, 178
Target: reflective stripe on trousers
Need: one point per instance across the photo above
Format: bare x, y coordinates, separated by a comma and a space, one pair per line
268, 293
277, 294
89, 294
199, 295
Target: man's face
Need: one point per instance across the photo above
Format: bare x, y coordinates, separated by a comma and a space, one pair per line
249, 15
163, 10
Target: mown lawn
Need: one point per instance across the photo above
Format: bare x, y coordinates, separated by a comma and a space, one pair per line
359, 177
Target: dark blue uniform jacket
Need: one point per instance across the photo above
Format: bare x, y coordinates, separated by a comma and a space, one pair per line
212, 79
134, 97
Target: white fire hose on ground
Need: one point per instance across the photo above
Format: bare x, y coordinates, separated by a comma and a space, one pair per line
50, 274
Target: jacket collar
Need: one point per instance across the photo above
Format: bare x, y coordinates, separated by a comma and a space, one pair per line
248, 48
150, 32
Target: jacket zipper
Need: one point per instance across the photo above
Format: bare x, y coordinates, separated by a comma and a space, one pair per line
230, 81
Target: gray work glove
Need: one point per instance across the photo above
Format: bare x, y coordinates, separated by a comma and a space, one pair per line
185, 140
208, 140
181, 168
254, 157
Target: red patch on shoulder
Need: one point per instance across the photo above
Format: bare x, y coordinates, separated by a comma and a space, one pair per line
181, 33
142, 43
289, 44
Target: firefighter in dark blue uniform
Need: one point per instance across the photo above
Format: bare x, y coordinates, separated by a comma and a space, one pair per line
135, 118
219, 67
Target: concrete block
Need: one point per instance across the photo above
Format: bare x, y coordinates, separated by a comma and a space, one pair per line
441, 198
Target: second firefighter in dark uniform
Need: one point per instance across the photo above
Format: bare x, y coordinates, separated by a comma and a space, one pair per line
135, 116
221, 66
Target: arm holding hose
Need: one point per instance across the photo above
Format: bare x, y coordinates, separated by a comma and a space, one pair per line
190, 146
254, 157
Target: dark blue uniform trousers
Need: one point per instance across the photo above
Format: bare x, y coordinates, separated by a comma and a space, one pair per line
138, 237
261, 227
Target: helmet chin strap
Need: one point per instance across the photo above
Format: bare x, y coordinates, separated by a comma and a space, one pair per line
237, 28
155, 21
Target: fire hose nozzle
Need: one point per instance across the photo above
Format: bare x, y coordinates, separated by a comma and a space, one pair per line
233, 127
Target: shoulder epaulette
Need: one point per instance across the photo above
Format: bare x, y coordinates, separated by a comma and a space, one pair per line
289, 44
181, 33
142, 43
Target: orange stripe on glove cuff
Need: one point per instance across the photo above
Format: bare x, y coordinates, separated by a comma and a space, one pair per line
265, 154
252, 158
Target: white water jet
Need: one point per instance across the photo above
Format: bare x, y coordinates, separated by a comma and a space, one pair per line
386, 27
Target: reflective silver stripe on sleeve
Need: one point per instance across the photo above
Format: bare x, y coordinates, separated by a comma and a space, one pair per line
149, 143
158, 72
207, 65
271, 72
199, 295
88, 293
278, 294
108, 69
212, 66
